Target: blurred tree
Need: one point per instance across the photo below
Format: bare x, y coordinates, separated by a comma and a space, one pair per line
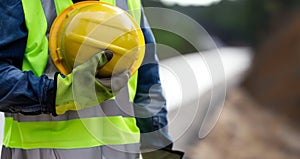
272, 27
240, 22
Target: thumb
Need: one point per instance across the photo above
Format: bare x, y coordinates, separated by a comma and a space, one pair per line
104, 57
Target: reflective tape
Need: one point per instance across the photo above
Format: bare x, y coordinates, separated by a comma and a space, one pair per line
128, 151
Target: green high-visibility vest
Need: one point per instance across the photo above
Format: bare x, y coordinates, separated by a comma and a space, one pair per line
87, 128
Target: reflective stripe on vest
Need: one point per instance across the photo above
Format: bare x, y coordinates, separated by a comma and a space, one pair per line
60, 5
103, 152
113, 124
113, 2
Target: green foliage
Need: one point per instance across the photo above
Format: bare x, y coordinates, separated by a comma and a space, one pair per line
240, 22
174, 41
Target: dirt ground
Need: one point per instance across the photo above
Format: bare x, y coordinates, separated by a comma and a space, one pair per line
246, 130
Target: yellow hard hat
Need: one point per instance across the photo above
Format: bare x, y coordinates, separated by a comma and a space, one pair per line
87, 28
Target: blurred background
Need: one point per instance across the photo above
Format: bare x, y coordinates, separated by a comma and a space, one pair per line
260, 117
261, 113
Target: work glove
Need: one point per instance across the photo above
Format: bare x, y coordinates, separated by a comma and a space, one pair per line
163, 154
81, 89
117, 81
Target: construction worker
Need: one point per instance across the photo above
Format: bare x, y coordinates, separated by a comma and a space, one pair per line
30, 96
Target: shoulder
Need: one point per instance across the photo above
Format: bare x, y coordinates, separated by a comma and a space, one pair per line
10, 5
11, 10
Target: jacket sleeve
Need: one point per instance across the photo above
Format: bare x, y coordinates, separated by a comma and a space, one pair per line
21, 92
150, 104
13, 32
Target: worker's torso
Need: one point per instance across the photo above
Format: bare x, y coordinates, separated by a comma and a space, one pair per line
111, 124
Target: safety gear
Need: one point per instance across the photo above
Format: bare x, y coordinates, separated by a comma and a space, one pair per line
85, 28
36, 52
83, 81
111, 124
117, 81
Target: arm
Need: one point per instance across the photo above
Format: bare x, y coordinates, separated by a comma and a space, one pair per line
21, 92
152, 122
150, 104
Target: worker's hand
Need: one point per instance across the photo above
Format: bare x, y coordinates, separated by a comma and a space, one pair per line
163, 154
81, 89
117, 81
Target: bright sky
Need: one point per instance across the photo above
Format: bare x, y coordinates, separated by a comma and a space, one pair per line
190, 2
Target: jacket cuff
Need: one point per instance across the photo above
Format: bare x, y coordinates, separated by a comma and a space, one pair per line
49, 93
